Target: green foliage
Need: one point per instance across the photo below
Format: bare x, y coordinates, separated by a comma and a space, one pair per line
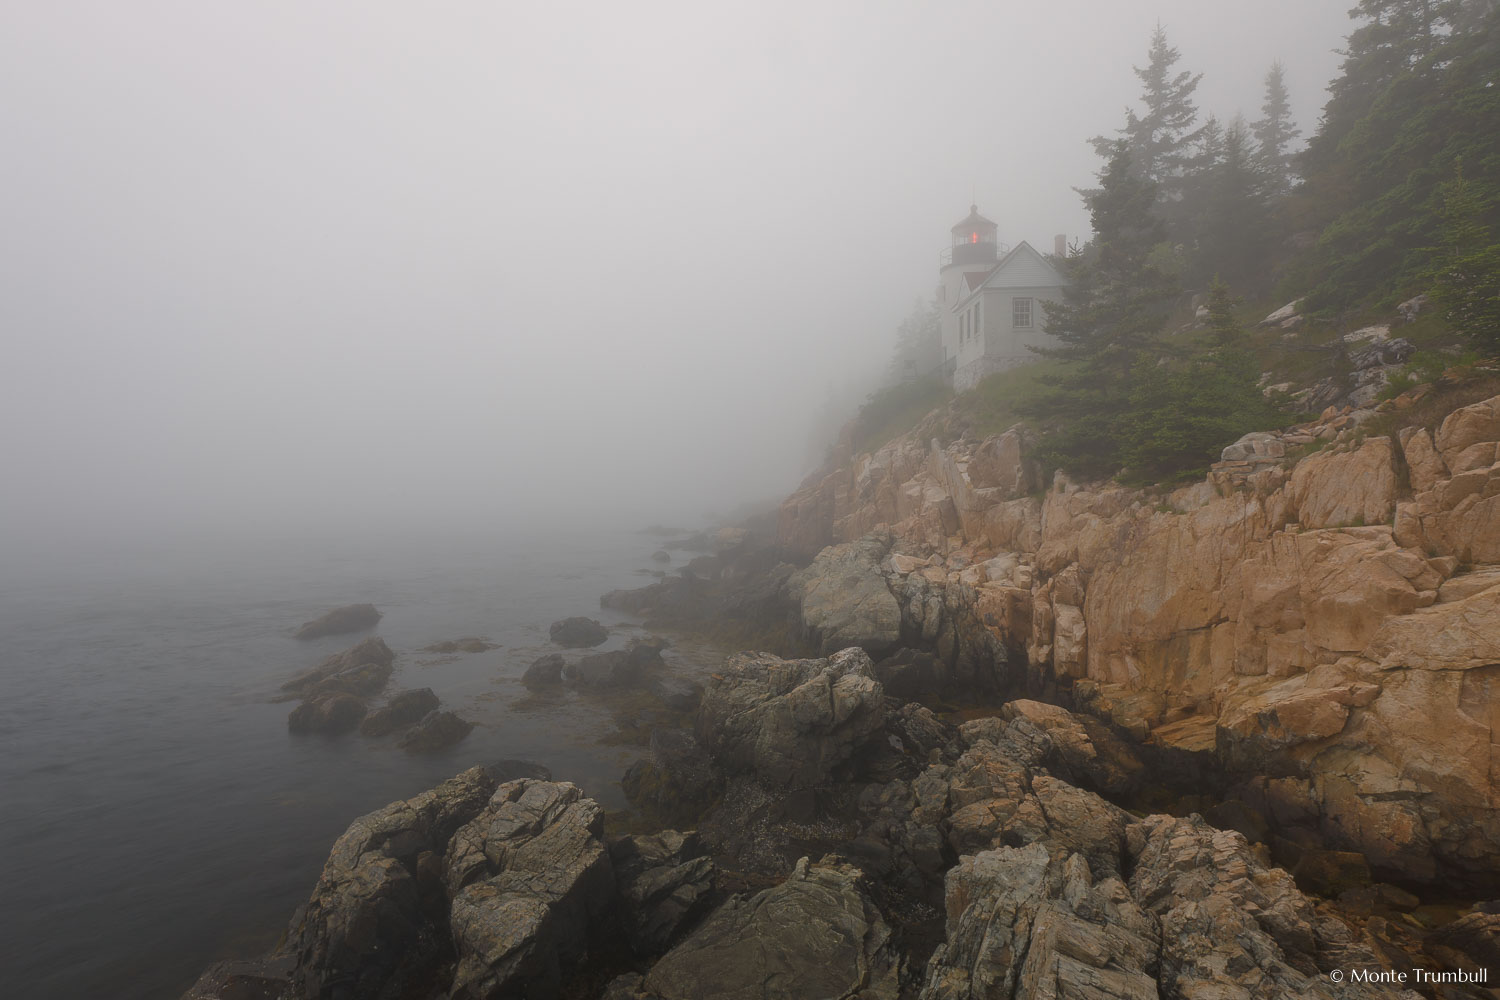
1001, 400
1275, 133
1160, 140
1113, 310
1417, 96
1181, 415
919, 343
1466, 276
895, 409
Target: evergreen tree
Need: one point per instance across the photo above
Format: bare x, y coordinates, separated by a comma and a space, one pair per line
919, 343
1230, 221
1275, 133
1466, 278
1181, 416
1112, 311
1161, 139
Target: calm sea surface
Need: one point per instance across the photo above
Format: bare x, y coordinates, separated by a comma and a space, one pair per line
155, 814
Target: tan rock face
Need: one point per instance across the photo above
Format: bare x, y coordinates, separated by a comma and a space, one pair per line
1296, 617
1358, 487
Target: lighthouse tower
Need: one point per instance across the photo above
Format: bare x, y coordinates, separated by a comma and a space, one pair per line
972, 255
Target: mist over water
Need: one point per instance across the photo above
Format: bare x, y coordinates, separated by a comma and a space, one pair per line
434, 307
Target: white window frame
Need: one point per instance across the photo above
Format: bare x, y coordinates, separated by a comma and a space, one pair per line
1015, 312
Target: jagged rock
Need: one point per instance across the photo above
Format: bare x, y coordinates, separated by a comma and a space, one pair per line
403, 709
845, 600
1023, 922
1329, 873
1338, 489
1283, 316
375, 925
339, 621
1382, 352
1424, 465
677, 693
545, 671
665, 882
676, 783
578, 631
790, 722
817, 934
617, 668
361, 663
1254, 447
328, 714
530, 879
436, 731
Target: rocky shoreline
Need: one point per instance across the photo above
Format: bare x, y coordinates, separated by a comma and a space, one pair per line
1225, 741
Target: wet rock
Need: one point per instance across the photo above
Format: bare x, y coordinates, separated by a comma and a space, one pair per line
677, 693
545, 671
530, 879
676, 782
360, 664
340, 621
436, 731
375, 926
329, 715
403, 709
578, 631
818, 934
790, 723
665, 882
661, 556
616, 668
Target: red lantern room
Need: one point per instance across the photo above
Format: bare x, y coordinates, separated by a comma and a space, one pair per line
974, 240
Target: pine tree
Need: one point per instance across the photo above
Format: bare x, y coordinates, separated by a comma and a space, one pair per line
1275, 133
1112, 311
1181, 416
1466, 278
1161, 139
1233, 233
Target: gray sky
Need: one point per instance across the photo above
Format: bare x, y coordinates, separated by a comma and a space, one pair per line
299, 263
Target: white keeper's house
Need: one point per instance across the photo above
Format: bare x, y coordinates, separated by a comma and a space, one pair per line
992, 299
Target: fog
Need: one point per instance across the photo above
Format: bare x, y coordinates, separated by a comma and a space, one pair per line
282, 266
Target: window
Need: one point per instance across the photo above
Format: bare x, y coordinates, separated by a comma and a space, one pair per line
1020, 314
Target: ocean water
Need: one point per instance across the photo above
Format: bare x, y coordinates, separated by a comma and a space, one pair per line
155, 814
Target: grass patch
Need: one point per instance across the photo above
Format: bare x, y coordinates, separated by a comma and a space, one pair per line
994, 404
1430, 410
894, 410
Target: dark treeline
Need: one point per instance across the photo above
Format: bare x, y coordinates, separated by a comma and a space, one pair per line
1396, 194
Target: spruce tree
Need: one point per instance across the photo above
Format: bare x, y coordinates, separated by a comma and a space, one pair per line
1181, 416
1112, 311
1466, 278
1275, 133
1231, 224
1161, 138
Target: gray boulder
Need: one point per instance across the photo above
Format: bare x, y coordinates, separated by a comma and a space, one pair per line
845, 600
790, 723
617, 668
403, 709
375, 924
665, 883
818, 934
545, 671
578, 631
329, 715
530, 879
358, 669
436, 731
340, 621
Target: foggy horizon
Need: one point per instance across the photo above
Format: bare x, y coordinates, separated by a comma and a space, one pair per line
284, 269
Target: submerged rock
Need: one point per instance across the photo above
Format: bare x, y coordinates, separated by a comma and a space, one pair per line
403, 709
617, 668
578, 631
436, 731
329, 715
469, 645
340, 621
